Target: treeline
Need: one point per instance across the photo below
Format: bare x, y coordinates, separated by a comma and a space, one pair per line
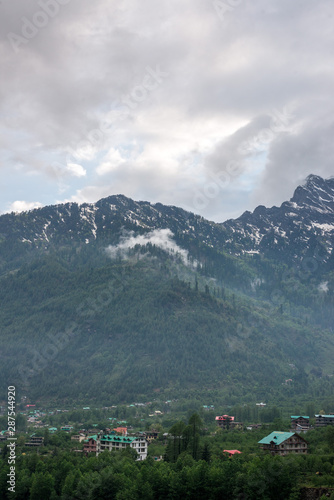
194, 466
117, 476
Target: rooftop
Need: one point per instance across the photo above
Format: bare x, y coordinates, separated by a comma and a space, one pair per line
276, 437
225, 417
117, 439
91, 437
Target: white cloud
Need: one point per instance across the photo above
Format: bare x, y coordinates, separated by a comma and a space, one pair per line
161, 238
111, 162
23, 206
76, 170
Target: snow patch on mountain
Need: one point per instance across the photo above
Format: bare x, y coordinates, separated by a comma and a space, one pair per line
324, 227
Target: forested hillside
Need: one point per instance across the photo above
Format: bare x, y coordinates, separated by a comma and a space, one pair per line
124, 300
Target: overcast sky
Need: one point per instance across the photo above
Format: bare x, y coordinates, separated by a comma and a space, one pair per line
215, 106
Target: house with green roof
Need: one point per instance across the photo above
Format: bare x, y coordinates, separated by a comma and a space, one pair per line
300, 423
112, 442
323, 420
67, 428
90, 444
283, 443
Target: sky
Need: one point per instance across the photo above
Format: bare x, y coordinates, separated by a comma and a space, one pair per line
214, 106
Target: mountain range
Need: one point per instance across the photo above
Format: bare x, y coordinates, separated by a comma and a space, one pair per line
120, 300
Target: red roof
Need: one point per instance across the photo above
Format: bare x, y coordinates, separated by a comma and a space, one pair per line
121, 430
225, 417
232, 452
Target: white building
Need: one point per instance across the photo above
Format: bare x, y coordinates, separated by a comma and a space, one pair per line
112, 442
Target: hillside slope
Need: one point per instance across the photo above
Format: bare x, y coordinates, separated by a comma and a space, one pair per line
119, 300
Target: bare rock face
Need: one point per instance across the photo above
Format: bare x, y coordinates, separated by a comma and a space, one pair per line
293, 230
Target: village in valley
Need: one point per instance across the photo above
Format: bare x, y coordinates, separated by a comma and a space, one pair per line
150, 433
150, 449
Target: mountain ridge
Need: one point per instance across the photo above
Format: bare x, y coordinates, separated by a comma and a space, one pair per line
305, 218
146, 320
249, 233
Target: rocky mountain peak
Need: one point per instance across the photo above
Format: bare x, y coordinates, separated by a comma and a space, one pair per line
286, 232
316, 193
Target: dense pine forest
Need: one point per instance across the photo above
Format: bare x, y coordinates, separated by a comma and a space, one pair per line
113, 330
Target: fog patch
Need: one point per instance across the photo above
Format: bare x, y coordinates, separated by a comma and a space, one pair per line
323, 287
161, 238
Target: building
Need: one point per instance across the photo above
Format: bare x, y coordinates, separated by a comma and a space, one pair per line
224, 421
78, 437
251, 427
323, 420
3, 435
300, 423
227, 422
35, 441
151, 435
283, 443
111, 442
231, 453
121, 430
90, 445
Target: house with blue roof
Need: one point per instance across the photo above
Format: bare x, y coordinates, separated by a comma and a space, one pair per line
283, 443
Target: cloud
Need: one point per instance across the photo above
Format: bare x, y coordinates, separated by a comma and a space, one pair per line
110, 162
23, 206
161, 238
63, 99
308, 150
76, 170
